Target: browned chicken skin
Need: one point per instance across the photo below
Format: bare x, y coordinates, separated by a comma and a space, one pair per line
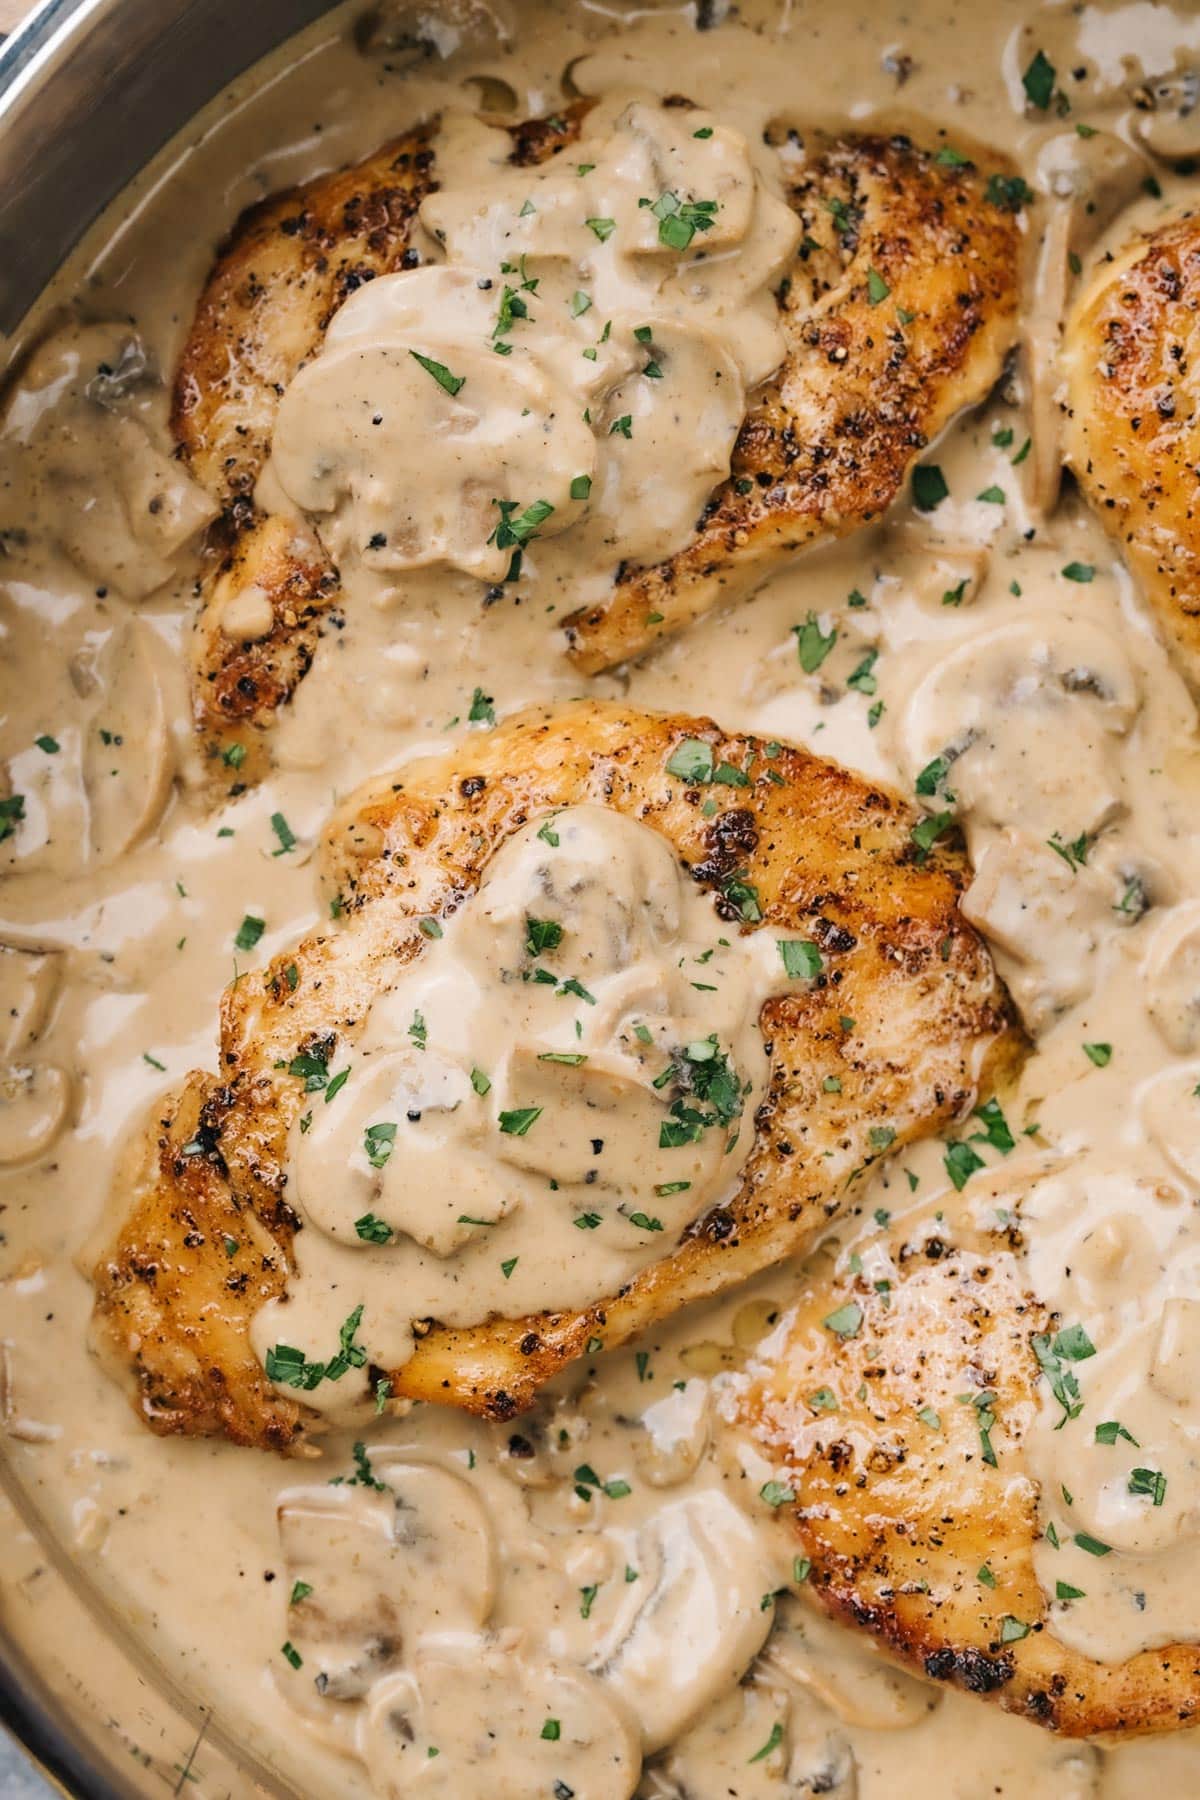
898, 314
908, 1488
908, 1021
1133, 374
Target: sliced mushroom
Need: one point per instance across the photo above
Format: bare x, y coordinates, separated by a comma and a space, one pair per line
699, 1619
1088, 180
340, 1172
675, 1434
29, 983
34, 1106
129, 754
782, 1744
1172, 978
87, 475
1020, 724
543, 1446
369, 1568
1045, 919
534, 1728
844, 1670
1169, 124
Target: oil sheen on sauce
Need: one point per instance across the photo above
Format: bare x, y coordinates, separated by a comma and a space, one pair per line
572, 1604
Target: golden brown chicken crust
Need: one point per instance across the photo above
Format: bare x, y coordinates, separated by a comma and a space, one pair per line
239, 684
909, 1017
1133, 439
898, 315
898, 1514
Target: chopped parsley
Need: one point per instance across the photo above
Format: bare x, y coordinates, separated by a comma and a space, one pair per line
801, 959
773, 1742
1150, 1483
249, 932
680, 220
1093, 1546
441, 374
929, 487
862, 679
776, 1493
542, 935
379, 1141
516, 528
289, 1367
1072, 1344
372, 1230
516, 1122
846, 1321
926, 832
1009, 192
1038, 81
961, 1162
813, 645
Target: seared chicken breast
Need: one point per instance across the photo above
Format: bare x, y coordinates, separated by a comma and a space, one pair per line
892, 1039
1129, 354
897, 1402
897, 314
287, 266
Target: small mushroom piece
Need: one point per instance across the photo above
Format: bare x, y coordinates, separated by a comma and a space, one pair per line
368, 1568
1021, 723
783, 1744
1169, 124
1093, 178
1172, 978
698, 1621
129, 752
29, 983
87, 475
425, 1105
35, 1103
1171, 1118
844, 1670
540, 1729
1044, 919
675, 1433
1088, 180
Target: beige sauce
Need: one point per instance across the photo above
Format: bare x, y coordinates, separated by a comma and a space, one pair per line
594, 1601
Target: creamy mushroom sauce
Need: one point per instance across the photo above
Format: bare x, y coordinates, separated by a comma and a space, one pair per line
437, 1605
